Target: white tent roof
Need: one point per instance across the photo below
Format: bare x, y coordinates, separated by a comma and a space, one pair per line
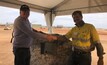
60, 7
52, 8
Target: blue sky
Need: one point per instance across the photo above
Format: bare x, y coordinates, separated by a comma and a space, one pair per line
8, 15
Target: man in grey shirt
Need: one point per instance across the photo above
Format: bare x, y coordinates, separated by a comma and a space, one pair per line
23, 37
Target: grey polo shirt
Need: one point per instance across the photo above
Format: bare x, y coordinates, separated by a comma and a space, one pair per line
23, 33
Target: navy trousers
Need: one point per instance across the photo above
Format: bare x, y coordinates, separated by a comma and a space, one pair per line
77, 58
22, 56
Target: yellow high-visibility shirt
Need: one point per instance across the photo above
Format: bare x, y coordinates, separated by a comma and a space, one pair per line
82, 36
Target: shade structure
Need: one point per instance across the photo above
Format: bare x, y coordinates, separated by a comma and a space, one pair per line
52, 8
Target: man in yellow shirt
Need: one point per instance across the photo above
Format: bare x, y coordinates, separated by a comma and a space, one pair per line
83, 36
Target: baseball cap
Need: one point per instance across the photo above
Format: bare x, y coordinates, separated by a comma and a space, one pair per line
77, 12
24, 8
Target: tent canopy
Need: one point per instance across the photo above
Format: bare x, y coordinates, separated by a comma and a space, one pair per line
59, 7
52, 8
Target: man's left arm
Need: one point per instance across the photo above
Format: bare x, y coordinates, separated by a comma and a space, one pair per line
100, 53
100, 50
99, 47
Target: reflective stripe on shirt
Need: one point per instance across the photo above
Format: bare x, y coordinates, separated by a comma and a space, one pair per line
82, 40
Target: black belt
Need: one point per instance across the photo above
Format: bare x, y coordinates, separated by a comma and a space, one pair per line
20, 48
77, 51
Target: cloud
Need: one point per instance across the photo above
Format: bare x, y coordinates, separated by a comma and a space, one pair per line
9, 15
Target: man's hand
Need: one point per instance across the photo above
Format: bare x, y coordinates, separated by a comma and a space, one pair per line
100, 61
51, 37
61, 39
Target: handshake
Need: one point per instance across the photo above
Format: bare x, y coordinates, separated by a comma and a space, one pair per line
57, 38
54, 38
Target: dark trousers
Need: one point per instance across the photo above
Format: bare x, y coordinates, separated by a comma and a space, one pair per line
77, 58
22, 56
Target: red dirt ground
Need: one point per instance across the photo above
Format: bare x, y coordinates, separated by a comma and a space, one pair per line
6, 55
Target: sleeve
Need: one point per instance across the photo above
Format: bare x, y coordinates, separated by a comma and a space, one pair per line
28, 31
94, 34
68, 34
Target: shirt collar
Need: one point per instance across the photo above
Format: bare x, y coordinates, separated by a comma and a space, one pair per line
80, 24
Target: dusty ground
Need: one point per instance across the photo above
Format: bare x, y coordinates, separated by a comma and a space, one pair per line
6, 55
